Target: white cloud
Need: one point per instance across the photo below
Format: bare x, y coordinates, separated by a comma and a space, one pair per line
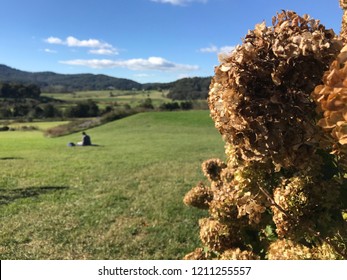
137, 64
96, 46
179, 2
54, 40
91, 43
211, 49
218, 50
49, 51
111, 51
142, 75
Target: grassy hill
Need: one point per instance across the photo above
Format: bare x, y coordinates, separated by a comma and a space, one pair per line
119, 200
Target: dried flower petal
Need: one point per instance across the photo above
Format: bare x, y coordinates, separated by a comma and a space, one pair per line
261, 92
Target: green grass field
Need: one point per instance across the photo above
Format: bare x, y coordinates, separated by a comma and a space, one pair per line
38, 124
119, 200
105, 97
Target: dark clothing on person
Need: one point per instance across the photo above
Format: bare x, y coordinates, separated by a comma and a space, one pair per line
86, 140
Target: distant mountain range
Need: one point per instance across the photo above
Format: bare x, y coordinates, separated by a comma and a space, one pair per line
53, 82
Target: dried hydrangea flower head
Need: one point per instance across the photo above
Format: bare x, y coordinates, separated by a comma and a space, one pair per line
237, 254
331, 98
218, 236
199, 196
277, 195
284, 249
260, 95
343, 34
197, 254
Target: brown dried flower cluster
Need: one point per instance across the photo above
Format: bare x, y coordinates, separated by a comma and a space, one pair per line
331, 97
343, 35
212, 169
217, 236
237, 254
260, 94
285, 249
277, 188
199, 196
297, 201
197, 254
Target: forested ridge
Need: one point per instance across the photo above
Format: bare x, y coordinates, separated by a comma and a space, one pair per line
182, 89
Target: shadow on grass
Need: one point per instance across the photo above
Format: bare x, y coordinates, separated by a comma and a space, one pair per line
10, 158
71, 144
8, 196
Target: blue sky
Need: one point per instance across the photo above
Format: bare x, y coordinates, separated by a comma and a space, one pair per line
142, 40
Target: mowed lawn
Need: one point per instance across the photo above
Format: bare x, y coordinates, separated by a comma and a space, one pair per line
119, 200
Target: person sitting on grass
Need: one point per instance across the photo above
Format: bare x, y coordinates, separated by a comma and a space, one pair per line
85, 140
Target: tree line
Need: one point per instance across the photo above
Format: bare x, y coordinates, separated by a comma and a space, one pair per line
190, 89
8, 90
182, 89
34, 109
25, 101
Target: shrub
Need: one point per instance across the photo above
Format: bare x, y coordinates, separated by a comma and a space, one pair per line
276, 196
186, 105
146, 104
83, 109
4, 128
171, 106
118, 113
71, 127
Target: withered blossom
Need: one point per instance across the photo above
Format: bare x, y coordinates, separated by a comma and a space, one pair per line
260, 95
217, 236
238, 254
277, 194
199, 196
331, 98
285, 249
343, 34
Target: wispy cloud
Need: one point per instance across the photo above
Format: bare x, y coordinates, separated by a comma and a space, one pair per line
210, 49
218, 50
137, 64
96, 46
104, 51
54, 40
179, 2
142, 75
49, 51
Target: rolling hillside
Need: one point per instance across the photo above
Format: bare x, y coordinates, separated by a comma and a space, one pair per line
50, 82
53, 82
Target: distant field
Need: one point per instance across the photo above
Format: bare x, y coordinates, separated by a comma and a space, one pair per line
133, 98
39, 124
119, 200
